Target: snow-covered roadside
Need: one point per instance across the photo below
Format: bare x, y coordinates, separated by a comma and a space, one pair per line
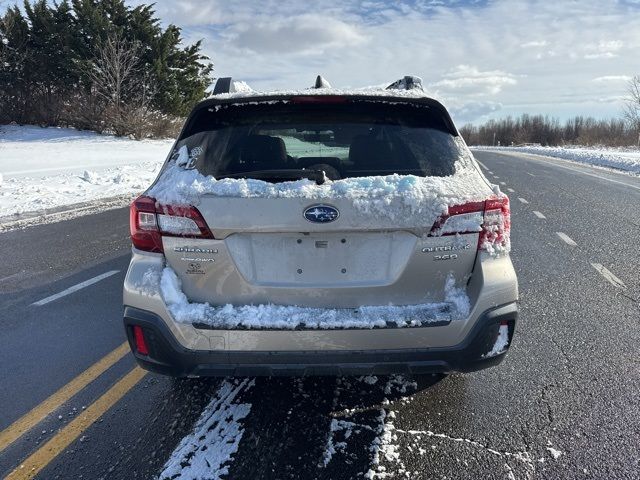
44, 168
625, 159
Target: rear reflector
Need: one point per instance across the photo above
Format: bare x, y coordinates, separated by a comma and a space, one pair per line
141, 344
150, 221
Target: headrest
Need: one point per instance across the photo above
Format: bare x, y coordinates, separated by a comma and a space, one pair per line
263, 150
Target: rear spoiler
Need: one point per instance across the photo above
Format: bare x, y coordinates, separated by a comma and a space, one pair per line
212, 104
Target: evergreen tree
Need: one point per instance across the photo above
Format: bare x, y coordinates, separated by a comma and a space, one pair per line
52, 56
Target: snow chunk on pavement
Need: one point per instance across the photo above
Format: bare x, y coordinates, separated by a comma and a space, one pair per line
208, 450
554, 453
455, 306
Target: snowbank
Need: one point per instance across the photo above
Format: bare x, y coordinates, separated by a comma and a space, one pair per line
53, 167
455, 306
627, 159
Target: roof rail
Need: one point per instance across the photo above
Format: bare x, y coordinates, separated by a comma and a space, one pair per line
228, 85
223, 85
321, 82
408, 82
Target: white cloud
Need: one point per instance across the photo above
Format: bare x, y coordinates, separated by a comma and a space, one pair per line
473, 111
611, 78
535, 43
528, 56
603, 49
304, 33
465, 78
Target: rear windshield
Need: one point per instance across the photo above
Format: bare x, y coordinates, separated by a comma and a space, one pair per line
288, 141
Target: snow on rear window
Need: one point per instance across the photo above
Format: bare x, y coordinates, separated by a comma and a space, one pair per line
354, 139
406, 198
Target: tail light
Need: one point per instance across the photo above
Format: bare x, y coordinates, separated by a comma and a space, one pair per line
491, 219
496, 227
141, 343
149, 221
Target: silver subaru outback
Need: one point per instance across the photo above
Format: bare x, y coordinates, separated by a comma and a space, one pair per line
320, 231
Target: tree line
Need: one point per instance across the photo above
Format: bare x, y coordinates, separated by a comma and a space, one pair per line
99, 65
549, 131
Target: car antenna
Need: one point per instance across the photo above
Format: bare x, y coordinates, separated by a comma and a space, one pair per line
321, 82
408, 82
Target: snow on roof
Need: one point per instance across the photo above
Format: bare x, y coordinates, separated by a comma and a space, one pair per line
365, 92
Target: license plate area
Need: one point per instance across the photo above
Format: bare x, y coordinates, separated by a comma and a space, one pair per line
322, 259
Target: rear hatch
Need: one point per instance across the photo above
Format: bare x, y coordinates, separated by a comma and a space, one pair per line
322, 202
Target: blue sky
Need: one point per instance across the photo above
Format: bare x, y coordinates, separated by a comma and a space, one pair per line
481, 58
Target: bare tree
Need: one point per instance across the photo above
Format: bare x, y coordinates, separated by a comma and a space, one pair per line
121, 87
632, 105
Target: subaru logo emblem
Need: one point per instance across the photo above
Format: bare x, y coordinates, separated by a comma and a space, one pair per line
321, 213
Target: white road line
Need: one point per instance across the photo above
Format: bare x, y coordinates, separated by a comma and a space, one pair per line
522, 200
490, 172
539, 215
530, 174
610, 277
511, 190
75, 288
566, 239
4, 279
495, 176
482, 164
503, 183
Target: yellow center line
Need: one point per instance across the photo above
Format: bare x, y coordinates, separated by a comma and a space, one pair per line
60, 441
39, 413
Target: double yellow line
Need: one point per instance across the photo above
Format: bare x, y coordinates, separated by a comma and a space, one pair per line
56, 445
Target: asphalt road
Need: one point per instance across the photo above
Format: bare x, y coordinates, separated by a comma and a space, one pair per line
564, 404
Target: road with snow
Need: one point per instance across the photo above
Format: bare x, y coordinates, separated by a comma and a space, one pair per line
564, 404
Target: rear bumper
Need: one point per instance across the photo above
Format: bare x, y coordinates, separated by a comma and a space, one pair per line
168, 357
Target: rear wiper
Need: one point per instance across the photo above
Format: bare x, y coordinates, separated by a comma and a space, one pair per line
290, 174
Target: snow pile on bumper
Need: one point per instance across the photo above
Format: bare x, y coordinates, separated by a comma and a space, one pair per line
455, 306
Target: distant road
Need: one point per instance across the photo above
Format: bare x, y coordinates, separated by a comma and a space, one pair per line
564, 404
